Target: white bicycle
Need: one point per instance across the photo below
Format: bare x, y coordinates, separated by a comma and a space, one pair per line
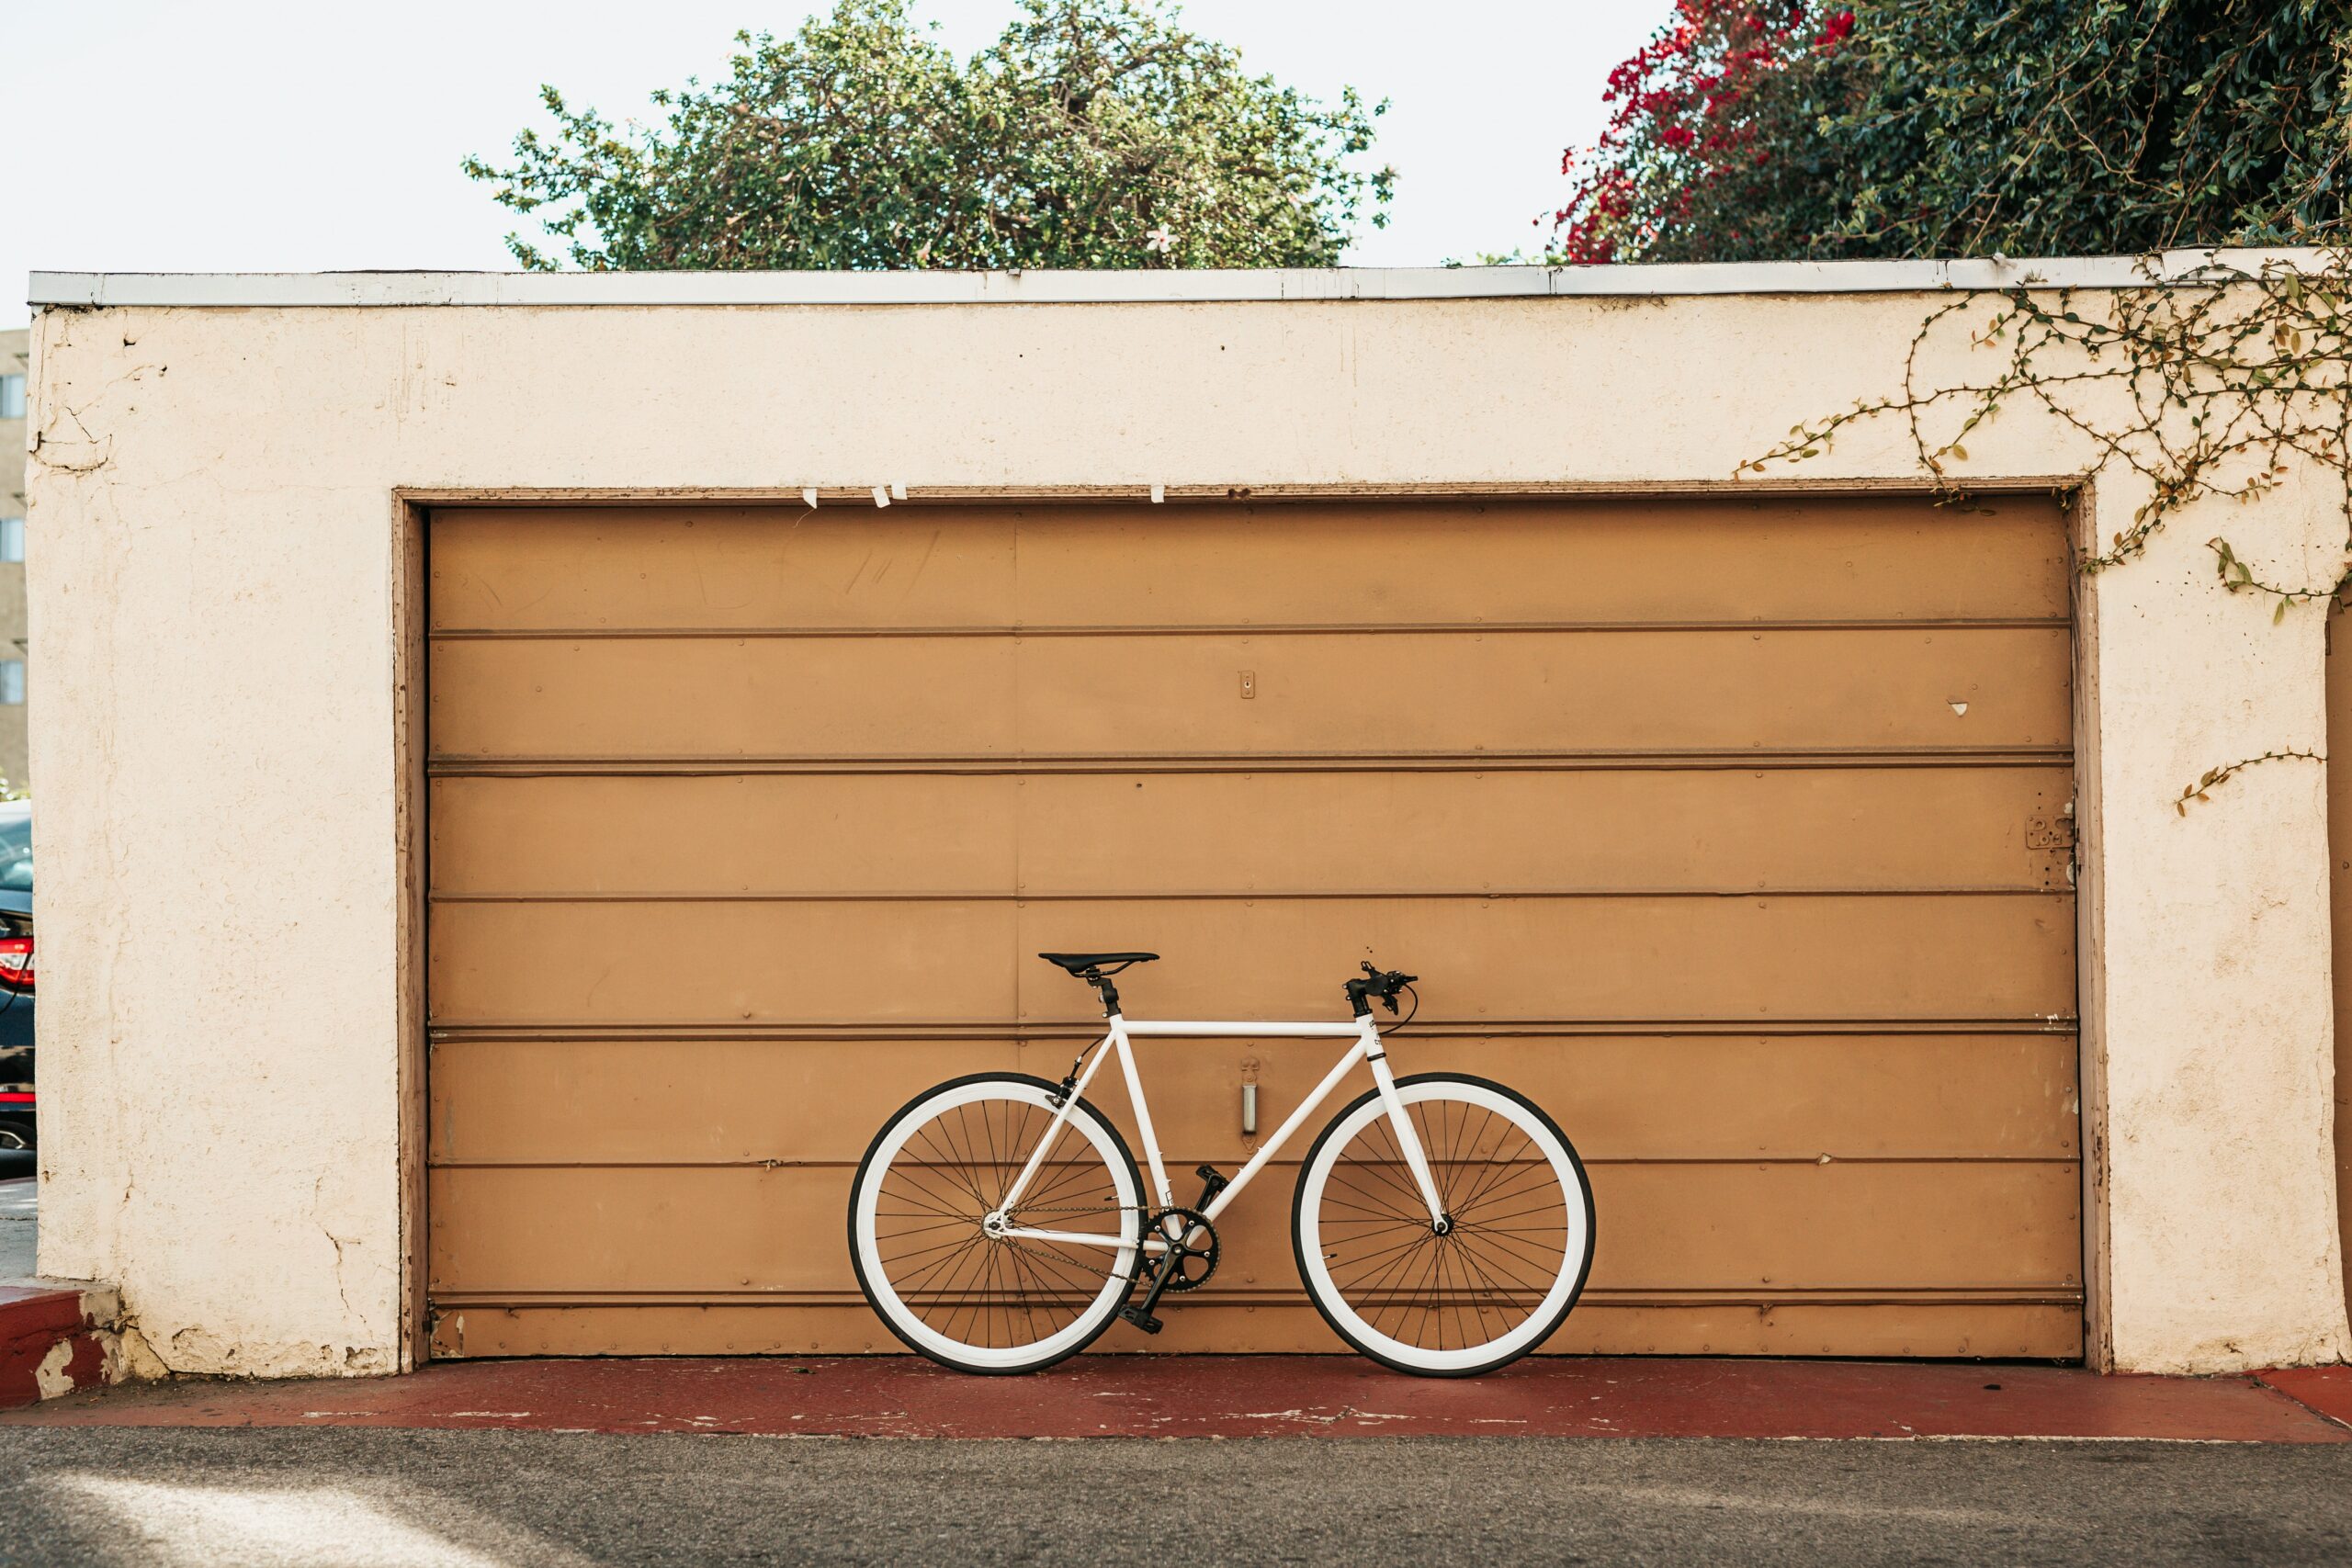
1443, 1223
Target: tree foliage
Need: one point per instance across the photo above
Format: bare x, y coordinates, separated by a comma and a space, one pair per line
1093, 133
1752, 130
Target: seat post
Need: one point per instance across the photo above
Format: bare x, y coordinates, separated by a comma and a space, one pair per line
1102, 982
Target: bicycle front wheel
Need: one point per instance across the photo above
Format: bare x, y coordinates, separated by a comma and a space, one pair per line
1506, 1269
927, 1222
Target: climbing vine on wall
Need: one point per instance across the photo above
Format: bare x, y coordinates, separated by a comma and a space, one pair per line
2204, 388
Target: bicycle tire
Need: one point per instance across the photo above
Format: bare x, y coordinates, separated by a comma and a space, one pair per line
1423, 1269
1015, 1268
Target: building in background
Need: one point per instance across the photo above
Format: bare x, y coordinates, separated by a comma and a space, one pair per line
16, 363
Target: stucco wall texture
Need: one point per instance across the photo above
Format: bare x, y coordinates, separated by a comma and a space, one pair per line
213, 611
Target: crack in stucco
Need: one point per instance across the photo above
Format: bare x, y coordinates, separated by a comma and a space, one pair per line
342, 1287
45, 437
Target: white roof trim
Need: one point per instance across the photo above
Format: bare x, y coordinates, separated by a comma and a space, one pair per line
312, 290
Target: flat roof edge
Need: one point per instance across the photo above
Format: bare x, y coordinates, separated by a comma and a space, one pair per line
323, 289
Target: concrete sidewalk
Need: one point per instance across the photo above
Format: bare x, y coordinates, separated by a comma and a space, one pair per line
19, 1227
1252, 1396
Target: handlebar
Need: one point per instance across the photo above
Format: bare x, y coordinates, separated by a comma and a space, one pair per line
1382, 983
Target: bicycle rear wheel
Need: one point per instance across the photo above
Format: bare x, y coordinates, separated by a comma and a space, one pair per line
1500, 1278
942, 1282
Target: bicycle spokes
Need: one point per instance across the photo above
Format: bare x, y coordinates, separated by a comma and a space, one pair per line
939, 1231
1482, 1275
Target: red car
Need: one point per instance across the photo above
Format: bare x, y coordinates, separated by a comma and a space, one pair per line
16, 1130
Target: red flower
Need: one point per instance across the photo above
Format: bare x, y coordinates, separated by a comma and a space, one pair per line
1838, 26
1677, 136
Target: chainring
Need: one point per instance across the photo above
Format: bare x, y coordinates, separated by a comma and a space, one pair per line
1194, 1261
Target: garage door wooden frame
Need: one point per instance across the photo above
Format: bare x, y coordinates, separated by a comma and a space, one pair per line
411, 574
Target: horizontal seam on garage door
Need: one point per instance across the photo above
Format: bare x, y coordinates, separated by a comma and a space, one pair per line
1815, 1159
455, 1031
1270, 628
451, 765
2052, 1294
1270, 894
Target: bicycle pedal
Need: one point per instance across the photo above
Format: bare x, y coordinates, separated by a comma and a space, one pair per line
1218, 1182
1141, 1319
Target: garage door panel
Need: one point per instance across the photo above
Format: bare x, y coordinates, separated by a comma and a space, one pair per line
713, 567
1693, 1228
498, 1100
809, 833
1783, 1097
1502, 561
963, 961
722, 963
1546, 691
1458, 831
1496, 561
1082, 833
1602, 1325
1844, 1225
1599, 959
1403, 693
725, 697
1733, 832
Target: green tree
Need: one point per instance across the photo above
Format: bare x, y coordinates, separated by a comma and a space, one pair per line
1749, 130
1093, 133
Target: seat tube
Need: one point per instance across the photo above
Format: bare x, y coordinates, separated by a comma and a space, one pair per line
1407, 1140
1143, 1110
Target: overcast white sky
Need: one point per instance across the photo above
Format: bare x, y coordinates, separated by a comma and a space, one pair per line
248, 135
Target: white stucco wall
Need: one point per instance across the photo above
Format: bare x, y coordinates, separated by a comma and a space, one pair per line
212, 617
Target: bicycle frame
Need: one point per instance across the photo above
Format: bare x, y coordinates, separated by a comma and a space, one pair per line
1366, 1048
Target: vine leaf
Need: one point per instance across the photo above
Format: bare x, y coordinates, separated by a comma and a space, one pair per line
2212, 776
2214, 386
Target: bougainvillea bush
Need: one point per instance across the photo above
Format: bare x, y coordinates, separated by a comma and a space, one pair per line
1751, 130
1711, 150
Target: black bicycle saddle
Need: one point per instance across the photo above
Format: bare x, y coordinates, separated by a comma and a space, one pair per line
1080, 962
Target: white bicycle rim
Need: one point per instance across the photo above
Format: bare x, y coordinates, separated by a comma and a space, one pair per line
1577, 1245
1118, 1264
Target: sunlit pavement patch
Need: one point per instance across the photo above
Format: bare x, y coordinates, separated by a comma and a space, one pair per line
174, 1525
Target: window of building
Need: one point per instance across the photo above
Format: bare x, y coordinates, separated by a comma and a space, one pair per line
12, 397
12, 682
12, 539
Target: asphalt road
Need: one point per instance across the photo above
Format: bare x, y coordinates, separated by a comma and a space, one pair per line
460, 1499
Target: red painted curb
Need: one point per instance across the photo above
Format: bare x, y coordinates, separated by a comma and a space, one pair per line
2327, 1390
33, 1322
1236, 1396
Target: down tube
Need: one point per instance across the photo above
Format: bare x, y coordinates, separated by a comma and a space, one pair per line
1273, 1145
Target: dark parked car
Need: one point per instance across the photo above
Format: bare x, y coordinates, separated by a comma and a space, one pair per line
15, 974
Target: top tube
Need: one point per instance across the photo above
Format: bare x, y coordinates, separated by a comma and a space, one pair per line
1347, 1031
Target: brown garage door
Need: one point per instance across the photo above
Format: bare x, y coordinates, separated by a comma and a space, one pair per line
1728, 830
